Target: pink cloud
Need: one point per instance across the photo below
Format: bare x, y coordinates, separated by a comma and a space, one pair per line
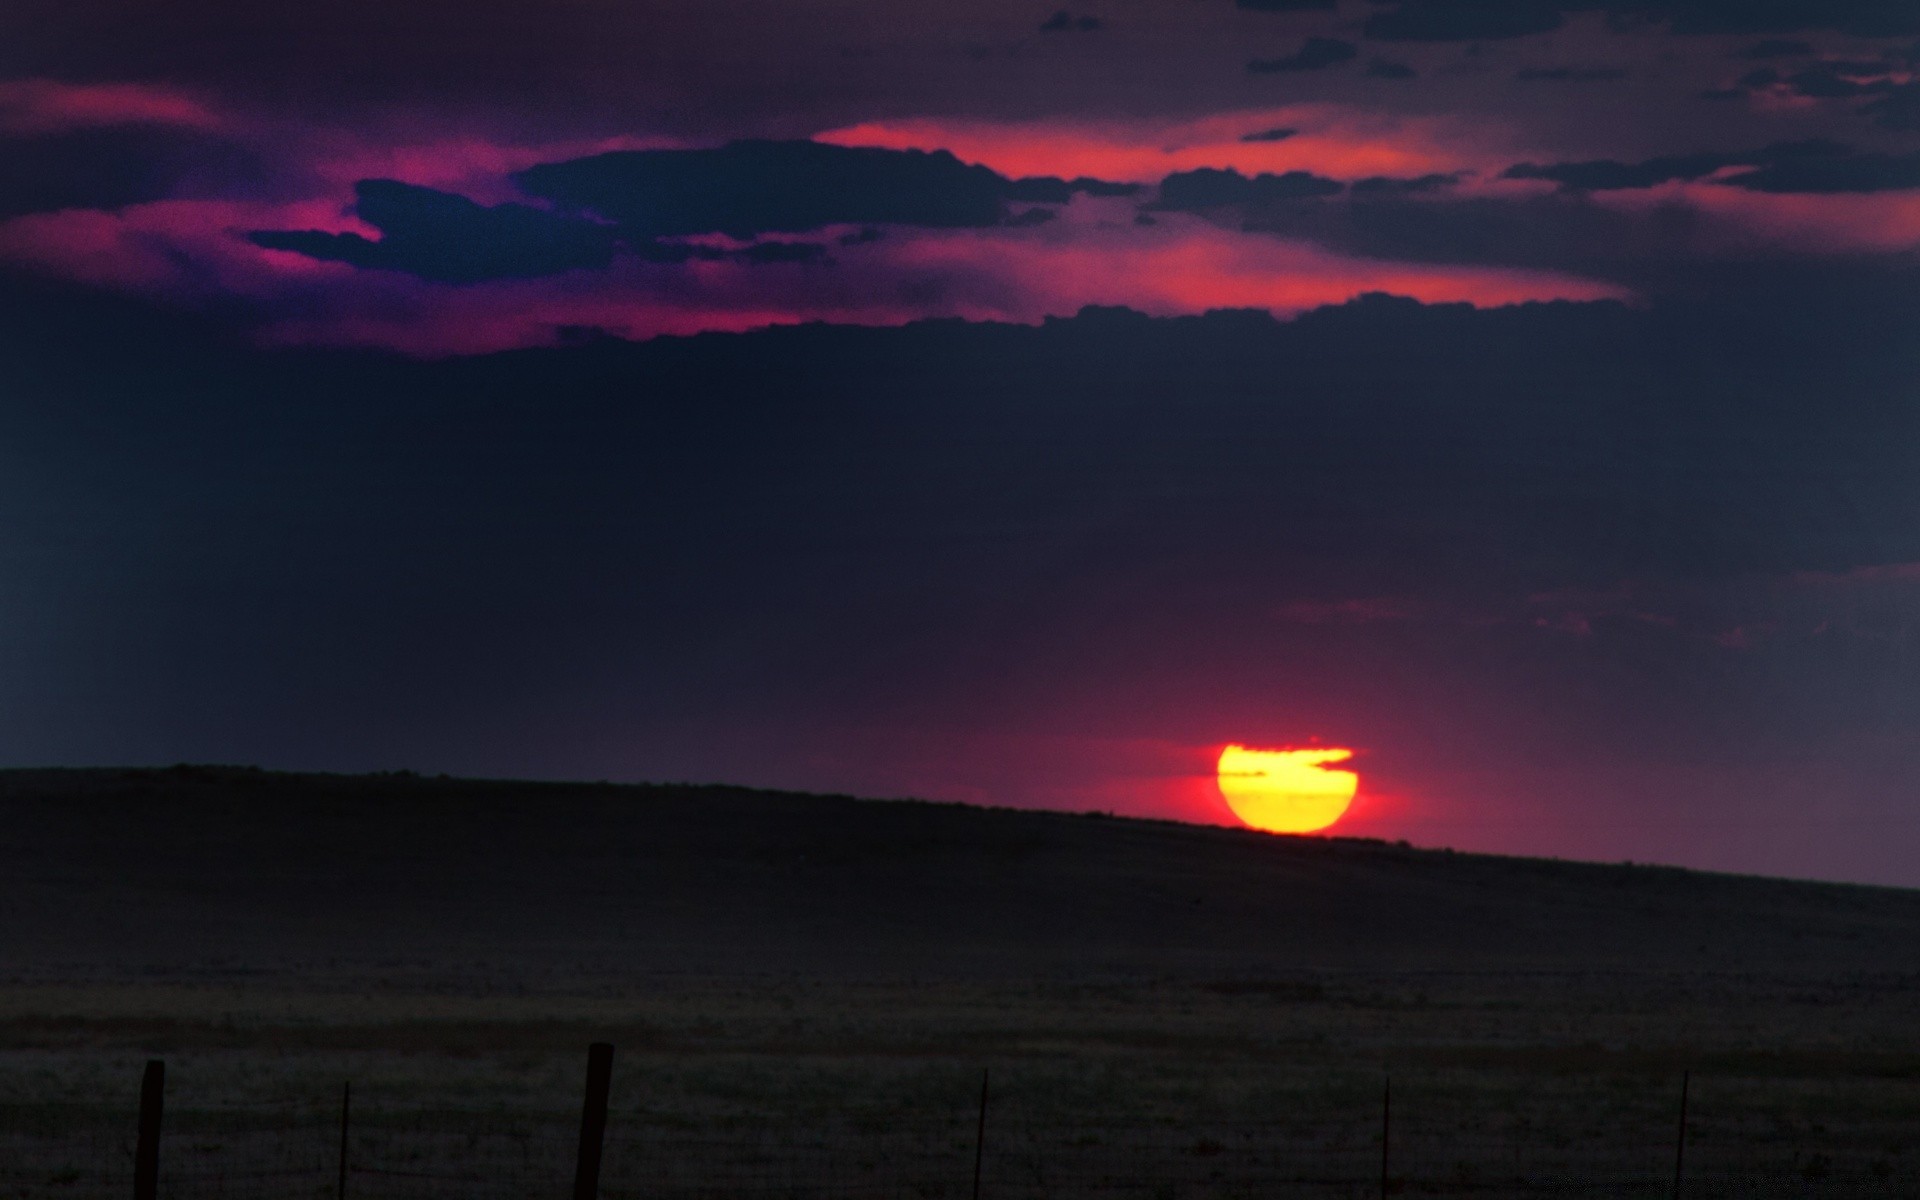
1331, 140
472, 164
182, 249
1184, 265
1810, 222
39, 106
1091, 255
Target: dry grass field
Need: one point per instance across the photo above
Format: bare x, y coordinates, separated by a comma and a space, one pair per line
804, 992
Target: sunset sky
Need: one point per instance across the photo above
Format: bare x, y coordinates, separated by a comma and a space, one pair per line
990, 401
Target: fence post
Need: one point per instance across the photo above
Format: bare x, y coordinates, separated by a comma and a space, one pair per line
1680, 1141
1386, 1131
346, 1109
980, 1135
146, 1154
593, 1121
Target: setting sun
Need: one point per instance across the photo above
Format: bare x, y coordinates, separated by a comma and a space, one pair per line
1288, 790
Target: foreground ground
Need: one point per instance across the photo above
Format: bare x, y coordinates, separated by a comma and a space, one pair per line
804, 992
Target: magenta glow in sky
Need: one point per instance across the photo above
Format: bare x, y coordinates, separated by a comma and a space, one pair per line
1516, 393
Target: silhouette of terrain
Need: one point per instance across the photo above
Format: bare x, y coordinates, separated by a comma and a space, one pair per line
197, 871
805, 989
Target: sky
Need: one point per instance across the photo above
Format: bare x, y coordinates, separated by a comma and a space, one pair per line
991, 402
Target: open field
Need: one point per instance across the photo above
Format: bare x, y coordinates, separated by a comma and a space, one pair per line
805, 990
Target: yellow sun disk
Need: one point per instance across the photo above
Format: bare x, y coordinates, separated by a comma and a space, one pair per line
1286, 791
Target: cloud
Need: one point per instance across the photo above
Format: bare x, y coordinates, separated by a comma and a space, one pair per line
1490, 20
1286, 5
1609, 174
1778, 48
1381, 185
323, 292
48, 106
1811, 167
1381, 68
1470, 20
103, 145
794, 252
1692, 238
449, 238
1835, 173
1839, 80
111, 166
1861, 18
1316, 54
1570, 74
1192, 191
1270, 135
445, 536
749, 188
1065, 22
1898, 109
1045, 189
1339, 141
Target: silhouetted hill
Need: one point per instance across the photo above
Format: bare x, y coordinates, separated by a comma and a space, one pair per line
202, 870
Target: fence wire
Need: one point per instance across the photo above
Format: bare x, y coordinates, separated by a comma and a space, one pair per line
284, 1151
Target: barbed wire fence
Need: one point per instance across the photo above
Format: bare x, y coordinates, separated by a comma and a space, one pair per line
359, 1148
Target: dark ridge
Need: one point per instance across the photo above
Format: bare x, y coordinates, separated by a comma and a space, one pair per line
219, 871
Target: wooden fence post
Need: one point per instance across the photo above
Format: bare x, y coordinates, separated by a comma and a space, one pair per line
146, 1154
593, 1121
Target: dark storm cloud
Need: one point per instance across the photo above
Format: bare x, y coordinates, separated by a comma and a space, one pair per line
1609, 175
789, 252
1777, 48
1032, 216
386, 553
1661, 251
1562, 232
1839, 80
1065, 22
748, 188
1045, 189
1815, 166
1420, 185
1570, 74
630, 203
1463, 21
440, 236
1852, 173
1487, 20
107, 168
1381, 68
1269, 135
1861, 18
1316, 54
1208, 187
1898, 109
334, 57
